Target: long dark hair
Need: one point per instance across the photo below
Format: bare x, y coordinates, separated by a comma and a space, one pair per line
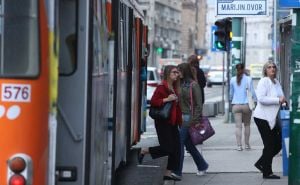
186, 72
239, 76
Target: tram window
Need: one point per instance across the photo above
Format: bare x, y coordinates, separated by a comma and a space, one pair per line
68, 36
19, 38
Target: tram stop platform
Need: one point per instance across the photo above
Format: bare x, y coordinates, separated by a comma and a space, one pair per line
227, 166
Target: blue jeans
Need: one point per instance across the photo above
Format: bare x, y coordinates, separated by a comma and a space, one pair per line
185, 140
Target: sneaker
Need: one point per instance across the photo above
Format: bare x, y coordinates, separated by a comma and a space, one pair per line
201, 173
247, 147
239, 148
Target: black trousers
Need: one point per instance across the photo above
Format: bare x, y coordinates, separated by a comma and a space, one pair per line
168, 138
272, 144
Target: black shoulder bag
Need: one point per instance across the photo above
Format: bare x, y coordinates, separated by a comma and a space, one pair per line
161, 113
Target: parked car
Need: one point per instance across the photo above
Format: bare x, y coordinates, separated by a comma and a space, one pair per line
153, 79
215, 77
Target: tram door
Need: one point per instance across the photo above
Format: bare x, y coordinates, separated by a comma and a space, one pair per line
82, 154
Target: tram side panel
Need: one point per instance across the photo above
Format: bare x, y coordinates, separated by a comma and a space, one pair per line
121, 91
128, 36
24, 85
138, 84
144, 59
100, 162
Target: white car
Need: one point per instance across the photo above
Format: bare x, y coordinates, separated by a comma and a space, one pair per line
153, 79
215, 77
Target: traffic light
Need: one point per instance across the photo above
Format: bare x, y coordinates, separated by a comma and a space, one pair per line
223, 34
159, 50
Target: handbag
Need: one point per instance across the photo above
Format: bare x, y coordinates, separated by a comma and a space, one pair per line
249, 97
161, 113
202, 131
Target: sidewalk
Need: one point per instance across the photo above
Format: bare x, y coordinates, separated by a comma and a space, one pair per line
227, 166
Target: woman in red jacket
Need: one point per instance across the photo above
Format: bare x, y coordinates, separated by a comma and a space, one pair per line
167, 130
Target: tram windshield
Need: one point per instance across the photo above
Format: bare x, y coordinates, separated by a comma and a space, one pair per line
19, 43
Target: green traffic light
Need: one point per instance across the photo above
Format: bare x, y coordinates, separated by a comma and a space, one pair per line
159, 50
220, 45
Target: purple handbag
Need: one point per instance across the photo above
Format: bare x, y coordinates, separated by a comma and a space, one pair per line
202, 131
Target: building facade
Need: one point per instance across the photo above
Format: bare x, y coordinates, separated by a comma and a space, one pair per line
193, 27
164, 20
176, 28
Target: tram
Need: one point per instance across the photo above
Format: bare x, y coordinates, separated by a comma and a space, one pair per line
72, 89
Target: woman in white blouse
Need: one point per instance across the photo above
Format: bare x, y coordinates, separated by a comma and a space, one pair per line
269, 98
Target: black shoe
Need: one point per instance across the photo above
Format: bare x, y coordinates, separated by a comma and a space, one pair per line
175, 176
259, 167
166, 178
271, 176
140, 157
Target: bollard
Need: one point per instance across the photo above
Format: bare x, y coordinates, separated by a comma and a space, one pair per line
285, 125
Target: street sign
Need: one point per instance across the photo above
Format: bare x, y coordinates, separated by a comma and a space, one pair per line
289, 3
241, 8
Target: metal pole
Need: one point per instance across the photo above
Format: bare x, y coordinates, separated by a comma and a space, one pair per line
223, 91
235, 57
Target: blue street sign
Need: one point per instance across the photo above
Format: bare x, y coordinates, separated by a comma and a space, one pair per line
289, 3
213, 39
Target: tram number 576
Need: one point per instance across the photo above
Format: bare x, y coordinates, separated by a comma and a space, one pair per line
16, 93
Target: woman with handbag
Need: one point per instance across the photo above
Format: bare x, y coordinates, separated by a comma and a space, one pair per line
188, 86
240, 85
270, 96
167, 129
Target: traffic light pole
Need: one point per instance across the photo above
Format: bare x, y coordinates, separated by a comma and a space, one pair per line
235, 57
